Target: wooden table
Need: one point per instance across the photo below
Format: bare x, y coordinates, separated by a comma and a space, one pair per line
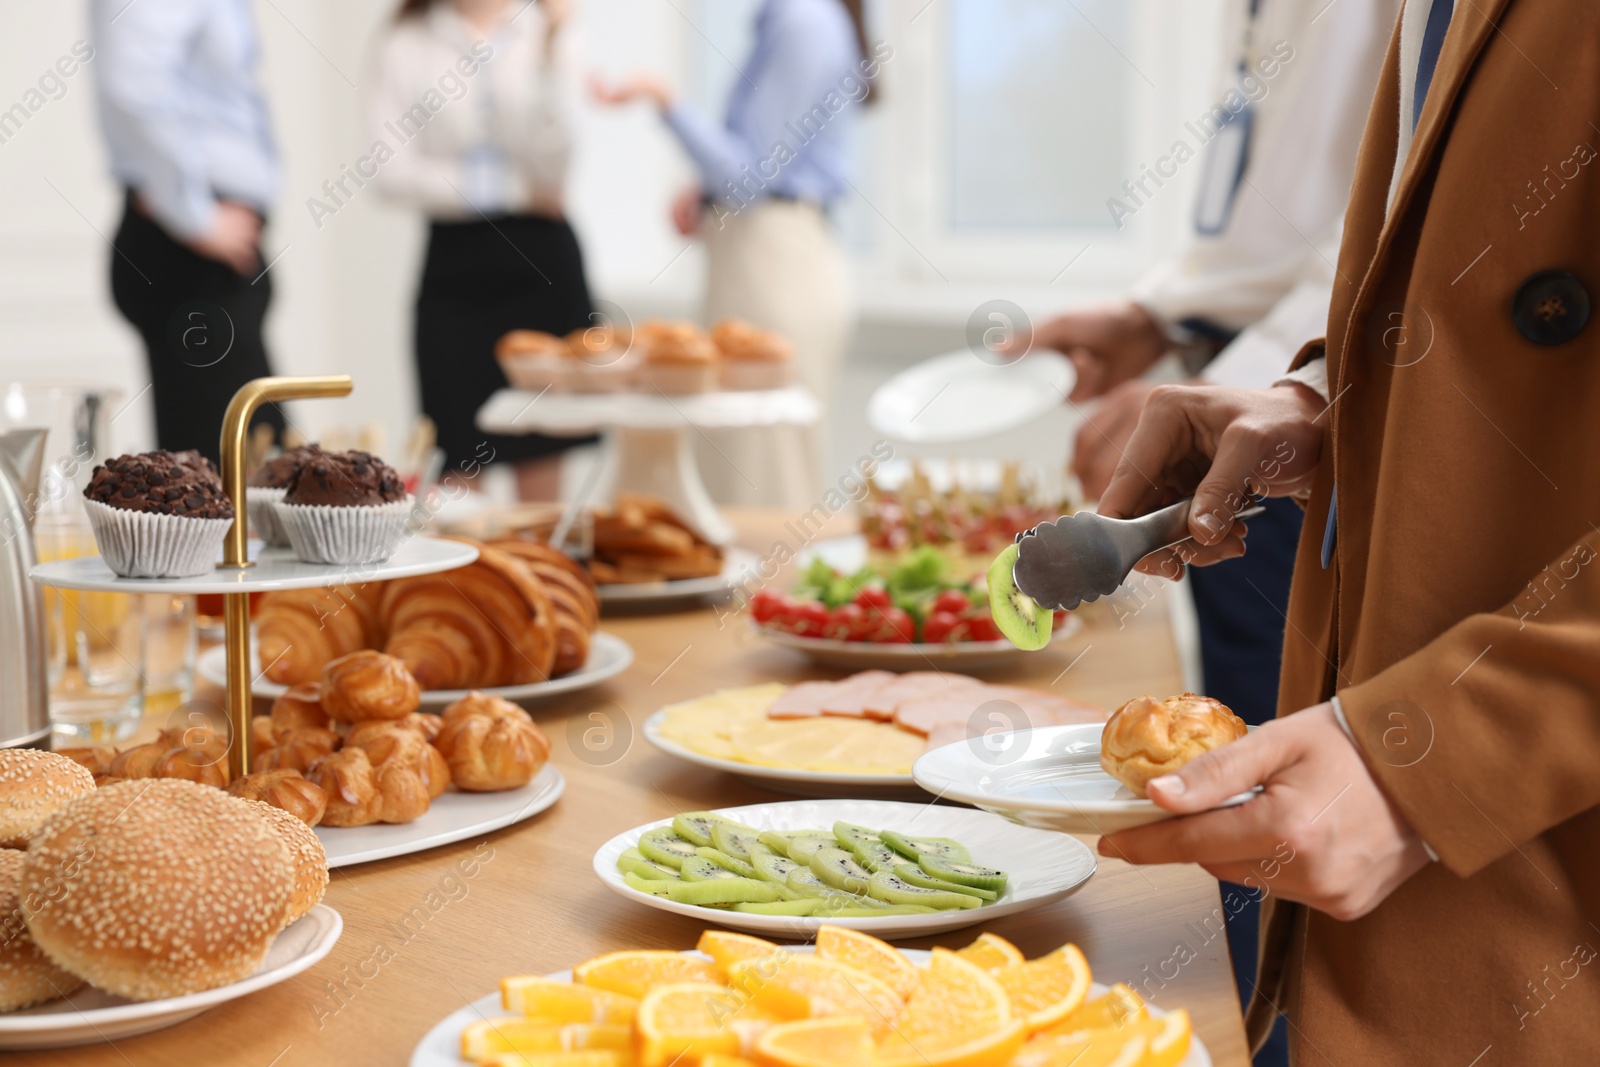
420, 940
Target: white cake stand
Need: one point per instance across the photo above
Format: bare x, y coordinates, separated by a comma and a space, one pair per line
649, 437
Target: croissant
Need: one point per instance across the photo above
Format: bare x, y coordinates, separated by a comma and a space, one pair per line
97, 758
285, 789
486, 624
572, 595
360, 794
159, 759
261, 735
384, 742
368, 685
491, 744
299, 630
139, 761
299, 705
420, 723
297, 749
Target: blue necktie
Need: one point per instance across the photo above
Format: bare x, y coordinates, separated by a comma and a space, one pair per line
1432, 42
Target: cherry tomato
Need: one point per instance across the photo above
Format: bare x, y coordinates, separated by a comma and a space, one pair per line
846, 623
874, 598
944, 626
765, 604
953, 601
982, 628
1058, 621
895, 627
808, 619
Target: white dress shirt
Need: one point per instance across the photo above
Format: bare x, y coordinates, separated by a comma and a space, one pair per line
1269, 271
500, 138
183, 117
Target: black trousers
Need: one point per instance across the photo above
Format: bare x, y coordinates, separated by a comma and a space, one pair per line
1241, 605
482, 279
201, 326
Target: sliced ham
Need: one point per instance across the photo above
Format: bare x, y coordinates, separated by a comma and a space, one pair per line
853, 694
912, 685
802, 701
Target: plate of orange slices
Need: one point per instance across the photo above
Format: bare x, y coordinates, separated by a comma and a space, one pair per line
847, 1000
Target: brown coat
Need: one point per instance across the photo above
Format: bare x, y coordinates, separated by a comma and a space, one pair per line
1460, 620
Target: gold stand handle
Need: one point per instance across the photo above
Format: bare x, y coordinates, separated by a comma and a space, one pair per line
235, 551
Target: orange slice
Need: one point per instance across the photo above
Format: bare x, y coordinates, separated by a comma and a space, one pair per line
1046, 990
1119, 1006
485, 1037
866, 953
549, 1001
1096, 1048
717, 1059
727, 948
816, 1043
1169, 1039
992, 952
596, 1058
959, 1016
685, 1021
635, 973
806, 987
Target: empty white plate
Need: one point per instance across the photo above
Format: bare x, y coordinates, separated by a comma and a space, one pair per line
960, 397
1043, 867
1048, 777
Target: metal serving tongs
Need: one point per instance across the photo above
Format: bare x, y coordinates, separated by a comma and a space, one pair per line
1082, 557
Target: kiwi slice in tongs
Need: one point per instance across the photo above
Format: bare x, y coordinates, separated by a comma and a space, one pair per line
910, 872
965, 873
919, 848
734, 839
891, 889
1018, 615
839, 869
664, 846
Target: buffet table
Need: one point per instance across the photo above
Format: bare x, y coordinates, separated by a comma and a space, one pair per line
423, 937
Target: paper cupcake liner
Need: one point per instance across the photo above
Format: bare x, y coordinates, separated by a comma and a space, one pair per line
330, 533
259, 502
140, 544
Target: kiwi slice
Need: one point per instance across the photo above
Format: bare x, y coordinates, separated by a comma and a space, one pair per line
965, 873
632, 860
919, 848
696, 826
839, 869
700, 869
802, 906
876, 856
887, 887
1018, 616
874, 913
728, 863
801, 849
734, 839
852, 835
803, 881
715, 893
770, 866
917, 876
664, 846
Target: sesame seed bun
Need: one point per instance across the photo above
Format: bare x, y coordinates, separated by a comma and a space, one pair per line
310, 861
157, 888
26, 974
33, 784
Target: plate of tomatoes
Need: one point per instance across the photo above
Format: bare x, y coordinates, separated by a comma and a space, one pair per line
904, 615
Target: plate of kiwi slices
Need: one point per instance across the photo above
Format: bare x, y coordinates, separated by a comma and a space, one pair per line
888, 868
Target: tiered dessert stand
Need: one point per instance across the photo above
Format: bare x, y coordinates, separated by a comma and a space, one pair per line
649, 438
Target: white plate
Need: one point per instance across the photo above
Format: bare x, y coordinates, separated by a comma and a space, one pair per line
516, 411
275, 568
1043, 867
441, 1047
455, 816
865, 655
609, 656
794, 781
91, 1016
959, 397
1048, 777
735, 562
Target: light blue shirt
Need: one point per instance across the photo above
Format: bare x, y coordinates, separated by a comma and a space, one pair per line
790, 109
182, 114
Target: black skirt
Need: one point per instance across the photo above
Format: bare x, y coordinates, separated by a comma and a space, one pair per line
480, 280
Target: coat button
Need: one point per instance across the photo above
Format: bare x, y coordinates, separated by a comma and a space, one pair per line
1551, 307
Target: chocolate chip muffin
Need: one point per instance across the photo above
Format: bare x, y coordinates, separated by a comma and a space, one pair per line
279, 471
163, 483
345, 479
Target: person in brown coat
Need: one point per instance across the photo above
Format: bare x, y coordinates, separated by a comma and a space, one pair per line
1434, 774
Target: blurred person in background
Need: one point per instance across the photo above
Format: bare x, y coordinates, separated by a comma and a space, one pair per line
1252, 285
768, 173
187, 132
475, 99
